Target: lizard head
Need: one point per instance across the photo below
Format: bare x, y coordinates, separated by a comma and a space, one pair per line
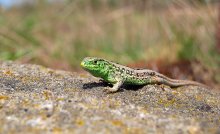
96, 66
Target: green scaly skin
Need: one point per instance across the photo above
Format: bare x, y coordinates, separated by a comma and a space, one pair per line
118, 75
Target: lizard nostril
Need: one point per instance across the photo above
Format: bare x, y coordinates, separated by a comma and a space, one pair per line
82, 64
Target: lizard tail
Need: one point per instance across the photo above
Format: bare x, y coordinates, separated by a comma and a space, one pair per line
177, 83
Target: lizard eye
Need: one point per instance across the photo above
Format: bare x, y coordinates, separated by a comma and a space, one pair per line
95, 61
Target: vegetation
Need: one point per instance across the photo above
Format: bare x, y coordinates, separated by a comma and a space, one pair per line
59, 35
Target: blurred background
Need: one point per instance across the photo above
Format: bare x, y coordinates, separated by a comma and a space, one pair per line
179, 38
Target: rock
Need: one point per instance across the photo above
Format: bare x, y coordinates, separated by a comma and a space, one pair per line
35, 99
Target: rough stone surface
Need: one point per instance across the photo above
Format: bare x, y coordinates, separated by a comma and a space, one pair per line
34, 99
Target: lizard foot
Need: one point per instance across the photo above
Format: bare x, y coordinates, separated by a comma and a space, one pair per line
115, 87
109, 90
163, 87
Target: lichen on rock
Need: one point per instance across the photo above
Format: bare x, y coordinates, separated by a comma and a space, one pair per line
35, 99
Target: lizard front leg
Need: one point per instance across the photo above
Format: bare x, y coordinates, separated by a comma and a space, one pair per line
117, 82
115, 87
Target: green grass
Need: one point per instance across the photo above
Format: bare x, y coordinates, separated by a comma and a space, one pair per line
66, 33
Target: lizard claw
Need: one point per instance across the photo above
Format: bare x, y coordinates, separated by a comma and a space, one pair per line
105, 90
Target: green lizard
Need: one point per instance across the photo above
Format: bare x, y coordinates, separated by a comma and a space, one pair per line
118, 75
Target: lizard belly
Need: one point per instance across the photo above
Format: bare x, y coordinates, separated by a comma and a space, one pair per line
136, 80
